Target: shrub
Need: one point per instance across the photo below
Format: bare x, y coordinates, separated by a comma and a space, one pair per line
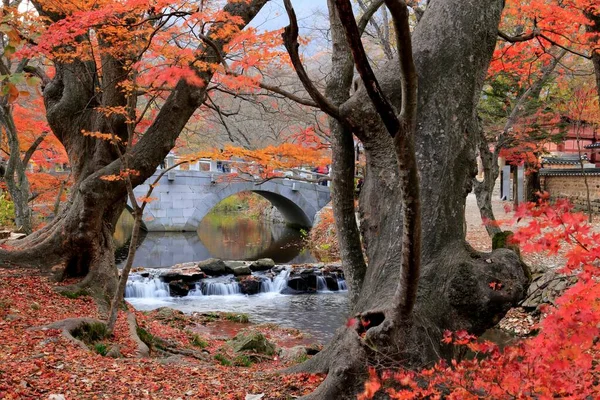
101, 349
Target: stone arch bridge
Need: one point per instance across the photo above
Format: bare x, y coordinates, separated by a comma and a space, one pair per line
184, 197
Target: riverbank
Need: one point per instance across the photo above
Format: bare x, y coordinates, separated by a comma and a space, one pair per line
43, 363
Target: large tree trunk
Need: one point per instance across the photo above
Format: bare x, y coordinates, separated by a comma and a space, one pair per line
80, 236
453, 44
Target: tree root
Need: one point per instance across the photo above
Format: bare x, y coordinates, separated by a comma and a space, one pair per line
68, 325
143, 350
185, 352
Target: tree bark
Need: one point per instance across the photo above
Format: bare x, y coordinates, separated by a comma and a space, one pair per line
15, 174
484, 189
80, 236
452, 47
343, 167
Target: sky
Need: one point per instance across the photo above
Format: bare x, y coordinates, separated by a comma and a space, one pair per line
273, 15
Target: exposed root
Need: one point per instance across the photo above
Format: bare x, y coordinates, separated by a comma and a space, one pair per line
143, 350
68, 326
169, 351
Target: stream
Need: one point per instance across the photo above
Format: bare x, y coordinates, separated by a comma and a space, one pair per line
230, 236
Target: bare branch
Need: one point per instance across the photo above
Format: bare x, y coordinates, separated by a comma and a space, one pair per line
537, 34
290, 40
33, 148
409, 80
361, 61
265, 86
368, 14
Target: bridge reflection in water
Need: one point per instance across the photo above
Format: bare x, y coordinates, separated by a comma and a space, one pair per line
228, 236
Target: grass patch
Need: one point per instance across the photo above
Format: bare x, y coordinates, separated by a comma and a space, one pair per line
223, 360
145, 336
301, 358
211, 317
151, 341
101, 349
90, 333
199, 342
75, 295
242, 361
241, 318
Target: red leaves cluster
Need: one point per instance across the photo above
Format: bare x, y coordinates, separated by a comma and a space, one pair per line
37, 363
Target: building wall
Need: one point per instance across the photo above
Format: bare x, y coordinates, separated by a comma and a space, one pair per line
573, 188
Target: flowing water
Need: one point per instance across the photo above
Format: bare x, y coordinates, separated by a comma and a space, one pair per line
229, 236
318, 314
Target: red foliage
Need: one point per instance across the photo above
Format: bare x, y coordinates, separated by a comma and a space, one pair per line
35, 363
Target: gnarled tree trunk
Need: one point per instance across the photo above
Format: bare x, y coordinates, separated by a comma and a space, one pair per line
452, 47
80, 236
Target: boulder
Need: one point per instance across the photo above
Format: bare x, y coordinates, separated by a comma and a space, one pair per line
231, 265
332, 283
179, 288
253, 342
213, 267
298, 284
186, 275
293, 354
262, 264
249, 285
242, 270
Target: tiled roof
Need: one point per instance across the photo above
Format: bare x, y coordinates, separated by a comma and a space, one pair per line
569, 172
564, 160
592, 146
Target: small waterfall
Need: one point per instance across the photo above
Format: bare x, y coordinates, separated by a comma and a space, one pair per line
197, 291
276, 285
322, 284
266, 285
148, 288
220, 288
280, 281
342, 284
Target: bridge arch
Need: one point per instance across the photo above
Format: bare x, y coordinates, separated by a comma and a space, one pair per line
183, 200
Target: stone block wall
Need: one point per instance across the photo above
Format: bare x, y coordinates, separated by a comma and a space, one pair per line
572, 187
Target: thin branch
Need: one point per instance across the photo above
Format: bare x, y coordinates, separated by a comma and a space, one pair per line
290, 40
537, 34
265, 86
361, 61
368, 14
33, 148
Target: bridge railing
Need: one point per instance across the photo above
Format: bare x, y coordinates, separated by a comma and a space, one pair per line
229, 167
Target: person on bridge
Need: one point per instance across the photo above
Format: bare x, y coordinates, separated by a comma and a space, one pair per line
322, 170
